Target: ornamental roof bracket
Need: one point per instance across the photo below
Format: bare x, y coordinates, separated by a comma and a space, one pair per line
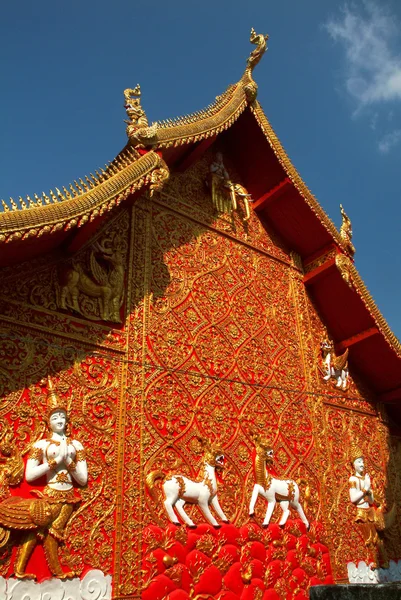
251, 87
139, 132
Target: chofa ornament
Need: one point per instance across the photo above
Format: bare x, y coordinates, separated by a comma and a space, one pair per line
178, 489
336, 367
44, 519
284, 491
139, 132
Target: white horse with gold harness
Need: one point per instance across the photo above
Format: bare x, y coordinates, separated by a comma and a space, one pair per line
179, 490
284, 491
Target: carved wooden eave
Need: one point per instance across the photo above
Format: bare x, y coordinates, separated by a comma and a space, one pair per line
329, 270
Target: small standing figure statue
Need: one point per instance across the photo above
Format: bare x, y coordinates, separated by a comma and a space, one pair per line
224, 191
62, 461
371, 519
346, 232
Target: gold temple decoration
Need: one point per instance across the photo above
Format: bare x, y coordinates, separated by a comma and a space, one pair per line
53, 401
138, 130
344, 264
355, 452
225, 192
259, 40
346, 232
101, 278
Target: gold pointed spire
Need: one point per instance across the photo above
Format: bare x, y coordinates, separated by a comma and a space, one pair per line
55, 404
355, 452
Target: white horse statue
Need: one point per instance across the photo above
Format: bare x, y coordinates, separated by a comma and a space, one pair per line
284, 491
178, 489
336, 366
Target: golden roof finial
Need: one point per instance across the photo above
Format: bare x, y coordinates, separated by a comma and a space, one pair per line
138, 130
346, 232
251, 87
258, 40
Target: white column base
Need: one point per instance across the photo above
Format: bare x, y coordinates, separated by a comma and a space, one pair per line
94, 586
364, 573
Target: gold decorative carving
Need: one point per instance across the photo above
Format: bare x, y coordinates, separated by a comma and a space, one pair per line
225, 192
259, 40
126, 174
102, 281
139, 133
346, 232
343, 264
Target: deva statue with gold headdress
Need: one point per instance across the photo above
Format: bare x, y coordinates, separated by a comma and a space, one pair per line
44, 518
370, 516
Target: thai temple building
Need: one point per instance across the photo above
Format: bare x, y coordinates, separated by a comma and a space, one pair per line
199, 397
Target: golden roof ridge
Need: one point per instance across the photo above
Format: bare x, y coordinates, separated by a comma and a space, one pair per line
128, 172
360, 287
312, 202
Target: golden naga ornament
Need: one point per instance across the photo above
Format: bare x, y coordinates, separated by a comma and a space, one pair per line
178, 489
43, 519
259, 40
138, 130
284, 491
369, 514
346, 232
224, 192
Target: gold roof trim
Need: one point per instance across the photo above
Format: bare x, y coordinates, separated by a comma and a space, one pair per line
293, 174
197, 126
219, 115
126, 174
352, 273
355, 280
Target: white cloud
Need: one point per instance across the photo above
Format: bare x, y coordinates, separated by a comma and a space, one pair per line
389, 140
373, 67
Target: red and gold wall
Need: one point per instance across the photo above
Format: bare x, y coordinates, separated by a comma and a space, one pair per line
218, 338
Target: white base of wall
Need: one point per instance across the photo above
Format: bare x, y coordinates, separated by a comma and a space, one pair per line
364, 573
94, 586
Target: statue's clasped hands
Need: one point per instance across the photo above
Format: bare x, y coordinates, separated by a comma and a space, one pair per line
64, 455
367, 485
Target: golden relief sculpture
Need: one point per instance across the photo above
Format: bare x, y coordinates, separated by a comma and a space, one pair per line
346, 232
100, 280
43, 519
335, 367
225, 192
138, 130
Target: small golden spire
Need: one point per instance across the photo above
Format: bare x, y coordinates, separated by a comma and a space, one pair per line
53, 401
46, 198
60, 195
66, 193
53, 197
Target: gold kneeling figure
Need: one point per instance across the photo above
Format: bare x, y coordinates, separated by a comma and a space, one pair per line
45, 517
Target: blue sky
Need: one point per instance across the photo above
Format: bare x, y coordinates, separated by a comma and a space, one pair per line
330, 85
